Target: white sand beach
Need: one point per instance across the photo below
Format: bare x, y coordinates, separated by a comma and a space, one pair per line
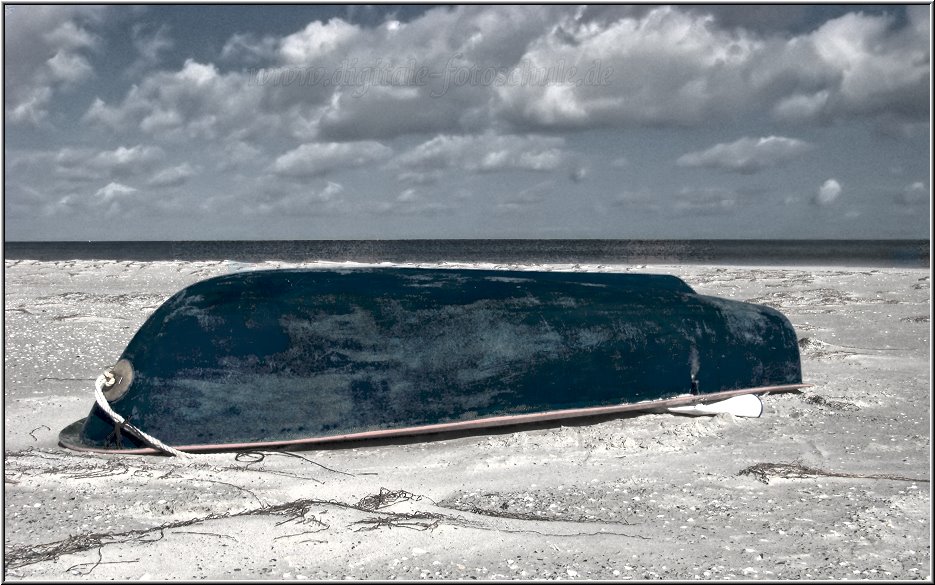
839, 486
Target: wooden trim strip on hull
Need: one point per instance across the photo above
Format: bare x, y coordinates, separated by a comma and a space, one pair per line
69, 441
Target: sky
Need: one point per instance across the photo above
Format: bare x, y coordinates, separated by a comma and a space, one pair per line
357, 122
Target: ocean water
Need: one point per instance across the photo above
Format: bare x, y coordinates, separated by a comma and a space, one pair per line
883, 253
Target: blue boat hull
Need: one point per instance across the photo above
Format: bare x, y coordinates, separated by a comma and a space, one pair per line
283, 356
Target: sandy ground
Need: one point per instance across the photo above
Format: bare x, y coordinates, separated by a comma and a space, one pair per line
650, 496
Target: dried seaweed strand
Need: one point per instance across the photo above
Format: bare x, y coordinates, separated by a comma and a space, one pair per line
299, 534
100, 561
763, 472
386, 498
604, 533
21, 555
420, 521
36, 429
261, 455
206, 534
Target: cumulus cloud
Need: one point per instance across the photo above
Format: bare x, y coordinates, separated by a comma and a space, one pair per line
761, 18
420, 177
250, 49
150, 44
123, 158
316, 40
196, 101
526, 198
913, 193
335, 80
110, 200
875, 67
689, 200
47, 49
316, 159
579, 173
112, 191
29, 106
706, 200
172, 176
408, 203
484, 153
407, 195
520, 71
68, 67
432, 74
388, 112
88, 164
662, 67
121, 199
829, 191
747, 155
675, 66
278, 199
642, 198
100, 112
236, 153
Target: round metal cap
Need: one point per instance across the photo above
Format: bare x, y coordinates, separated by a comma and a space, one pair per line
123, 377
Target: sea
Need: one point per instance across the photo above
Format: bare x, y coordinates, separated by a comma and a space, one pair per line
881, 253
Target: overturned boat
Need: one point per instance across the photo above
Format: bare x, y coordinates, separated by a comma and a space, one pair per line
300, 357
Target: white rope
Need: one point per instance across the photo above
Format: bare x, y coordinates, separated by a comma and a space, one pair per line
105, 406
